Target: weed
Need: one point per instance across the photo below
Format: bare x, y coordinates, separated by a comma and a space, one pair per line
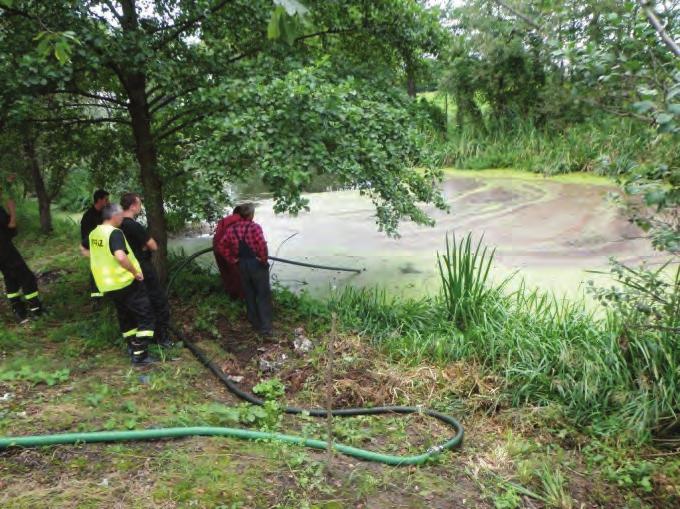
464, 273
556, 494
29, 374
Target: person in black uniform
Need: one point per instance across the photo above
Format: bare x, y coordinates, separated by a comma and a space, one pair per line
142, 245
19, 280
90, 220
119, 277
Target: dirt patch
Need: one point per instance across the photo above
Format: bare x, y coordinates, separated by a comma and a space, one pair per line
49, 276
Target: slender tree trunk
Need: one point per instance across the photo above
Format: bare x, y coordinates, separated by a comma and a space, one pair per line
44, 200
145, 150
134, 81
410, 80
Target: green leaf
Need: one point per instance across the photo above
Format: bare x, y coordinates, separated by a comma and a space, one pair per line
643, 106
273, 31
664, 118
655, 197
674, 108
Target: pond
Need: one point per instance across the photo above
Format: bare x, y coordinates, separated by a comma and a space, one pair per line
551, 230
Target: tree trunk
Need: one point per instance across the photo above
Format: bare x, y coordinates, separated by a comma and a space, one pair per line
145, 150
44, 200
134, 82
410, 80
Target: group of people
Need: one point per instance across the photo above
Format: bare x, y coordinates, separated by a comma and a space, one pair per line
120, 250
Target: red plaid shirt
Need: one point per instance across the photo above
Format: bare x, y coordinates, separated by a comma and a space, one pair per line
221, 231
251, 233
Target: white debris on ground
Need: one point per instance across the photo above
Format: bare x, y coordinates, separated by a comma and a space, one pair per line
270, 366
302, 344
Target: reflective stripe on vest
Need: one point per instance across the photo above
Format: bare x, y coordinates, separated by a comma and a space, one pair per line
106, 270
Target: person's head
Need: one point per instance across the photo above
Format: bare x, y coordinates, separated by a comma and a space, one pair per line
131, 202
112, 214
100, 199
246, 211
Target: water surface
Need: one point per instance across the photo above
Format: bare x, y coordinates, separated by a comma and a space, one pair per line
550, 230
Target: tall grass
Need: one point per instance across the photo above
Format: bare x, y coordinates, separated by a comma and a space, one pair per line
464, 274
547, 350
606, 146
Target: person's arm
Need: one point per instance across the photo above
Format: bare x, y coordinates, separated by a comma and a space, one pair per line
84, 235
84, 252
151, 244
12, 209
260, 247
127, 264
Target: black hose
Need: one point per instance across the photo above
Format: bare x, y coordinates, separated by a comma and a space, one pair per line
456, 439
195, 255
454, 442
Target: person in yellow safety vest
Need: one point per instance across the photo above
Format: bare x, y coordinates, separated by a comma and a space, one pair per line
119, 277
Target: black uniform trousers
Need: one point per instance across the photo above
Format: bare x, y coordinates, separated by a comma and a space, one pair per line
158, 300
18, 277
135, 316
255, 281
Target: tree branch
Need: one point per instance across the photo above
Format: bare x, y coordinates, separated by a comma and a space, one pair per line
179, 115
660, 29
528, 20
180, 126
92, 96
71, 121
178, 29
113, 10
162, 101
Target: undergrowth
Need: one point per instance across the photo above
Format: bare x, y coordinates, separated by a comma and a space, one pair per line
618, 381
607, 147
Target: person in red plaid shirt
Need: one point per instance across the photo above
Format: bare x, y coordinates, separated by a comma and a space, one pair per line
231, 277
244, 244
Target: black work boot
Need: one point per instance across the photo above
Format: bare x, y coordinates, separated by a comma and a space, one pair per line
19, 309
35, 307
163, 340
139, 353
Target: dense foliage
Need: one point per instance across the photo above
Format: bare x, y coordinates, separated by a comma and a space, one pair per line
168, 82
572, 86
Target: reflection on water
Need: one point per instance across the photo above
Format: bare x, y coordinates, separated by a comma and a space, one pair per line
552, 232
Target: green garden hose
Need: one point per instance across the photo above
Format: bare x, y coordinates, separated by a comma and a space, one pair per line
153, 434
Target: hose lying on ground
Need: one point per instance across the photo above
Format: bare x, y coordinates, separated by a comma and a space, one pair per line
155, 434
152, 434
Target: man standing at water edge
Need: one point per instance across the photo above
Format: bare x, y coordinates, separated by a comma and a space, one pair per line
245, 245
143, 245
90, 220
119, 277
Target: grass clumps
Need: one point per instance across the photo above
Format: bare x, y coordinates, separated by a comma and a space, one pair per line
607, 371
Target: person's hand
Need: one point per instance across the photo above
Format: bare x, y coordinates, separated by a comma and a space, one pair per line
84, 252
11, 206
139, 276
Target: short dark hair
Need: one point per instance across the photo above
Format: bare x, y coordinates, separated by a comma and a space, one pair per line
110, 210
99, 194
129, 199
237, 210
246, 210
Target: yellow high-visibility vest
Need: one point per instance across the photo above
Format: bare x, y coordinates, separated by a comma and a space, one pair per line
106, 270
